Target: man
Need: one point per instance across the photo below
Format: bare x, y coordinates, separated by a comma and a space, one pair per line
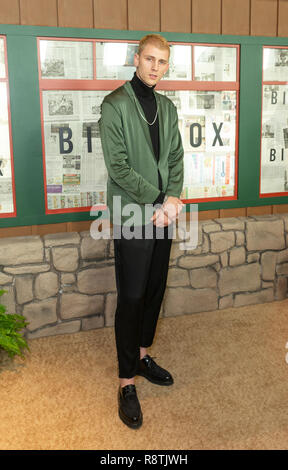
144, 158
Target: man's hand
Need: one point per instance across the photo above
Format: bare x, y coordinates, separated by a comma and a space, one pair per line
168, 212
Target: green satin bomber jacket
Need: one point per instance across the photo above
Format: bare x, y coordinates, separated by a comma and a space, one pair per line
129, 156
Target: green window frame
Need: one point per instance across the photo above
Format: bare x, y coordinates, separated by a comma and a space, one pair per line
26, 118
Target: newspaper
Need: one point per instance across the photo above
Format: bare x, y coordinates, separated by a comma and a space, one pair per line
179, 63
215, 63
2, 59
6, 193
76, 174
275, 64
274, 139
66, 59
207, 123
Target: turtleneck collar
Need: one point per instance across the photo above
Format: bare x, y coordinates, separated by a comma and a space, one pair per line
140, 88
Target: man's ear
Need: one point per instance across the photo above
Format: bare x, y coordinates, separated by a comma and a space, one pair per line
136, 59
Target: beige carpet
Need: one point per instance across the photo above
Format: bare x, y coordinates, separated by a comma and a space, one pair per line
230, 390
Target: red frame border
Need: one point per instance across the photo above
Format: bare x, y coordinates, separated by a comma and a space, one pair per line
108, 84
6, 80
268, 82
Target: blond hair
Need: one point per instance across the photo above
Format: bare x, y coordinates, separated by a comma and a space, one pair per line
156, 39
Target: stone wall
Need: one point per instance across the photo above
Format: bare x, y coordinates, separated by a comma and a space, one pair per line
64, 283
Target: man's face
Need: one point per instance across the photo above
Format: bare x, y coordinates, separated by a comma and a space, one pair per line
151, 64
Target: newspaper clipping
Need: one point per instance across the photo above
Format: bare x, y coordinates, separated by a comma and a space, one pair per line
275, 64
215, 63
207, 122
76, 175
66, 59
274, 141
6, 191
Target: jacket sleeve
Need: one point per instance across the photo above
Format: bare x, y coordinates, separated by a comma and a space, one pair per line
175, 160
115, 156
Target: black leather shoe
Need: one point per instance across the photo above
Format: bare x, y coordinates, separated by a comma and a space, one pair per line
129, 407
151, 371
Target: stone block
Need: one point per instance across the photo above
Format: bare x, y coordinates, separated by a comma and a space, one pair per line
266, 284
5, 279
191, 262
253, 257
96, 281
187, 229
65, 258
240, 238
282, 256
265, 295
222, 241
20, 250
93, 322
217, 267
226, 302
111, 253
183, 301
110, 309
205, 246
24, 289
64, 238
40, 313
67, 288
211, 227
28, 269
75, 305
237, 256
8, 299
266, 217
268, 263
177, 277
203, 277
231, 223
224, 259
282, 269
68, 278
85, 233
239, 279
67, 327
284, 217
281, 288
176, 252
46, 285
93, 249
265, 235
47, 255
192, 239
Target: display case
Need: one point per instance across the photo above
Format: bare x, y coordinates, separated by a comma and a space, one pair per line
7, 185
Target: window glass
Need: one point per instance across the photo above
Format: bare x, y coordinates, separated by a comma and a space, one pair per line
2, 59
274, 139
66, 59
207, 122
275, 64
215, 64
75, 170
6, 190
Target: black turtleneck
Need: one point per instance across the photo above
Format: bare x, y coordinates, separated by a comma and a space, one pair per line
146, 98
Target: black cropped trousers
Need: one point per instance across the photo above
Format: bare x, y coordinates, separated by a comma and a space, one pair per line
141, 268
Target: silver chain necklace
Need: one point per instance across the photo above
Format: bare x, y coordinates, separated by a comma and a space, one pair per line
143, 117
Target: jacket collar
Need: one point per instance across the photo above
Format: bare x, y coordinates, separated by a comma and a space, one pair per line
145, 127
130, 91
